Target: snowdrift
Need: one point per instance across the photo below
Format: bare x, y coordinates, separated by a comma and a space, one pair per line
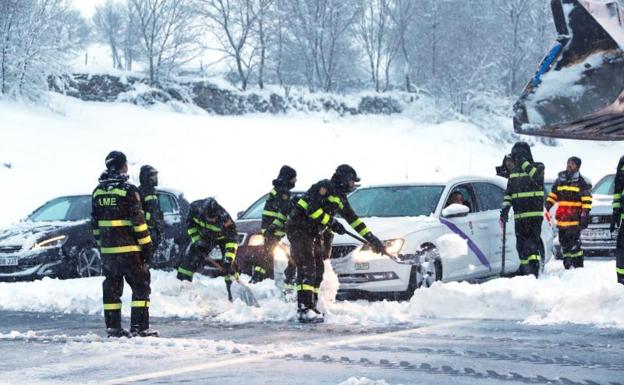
585, 296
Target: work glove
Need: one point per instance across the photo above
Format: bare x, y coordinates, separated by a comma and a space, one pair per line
504, 214
376, 245
616, 218
338, 228
584, 220
228, 267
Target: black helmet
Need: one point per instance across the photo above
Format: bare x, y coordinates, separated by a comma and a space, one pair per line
148, 176
287, 173
343, 175
521, 150
209, 205
115, 161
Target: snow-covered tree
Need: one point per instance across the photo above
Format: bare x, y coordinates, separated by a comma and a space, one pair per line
37, 38
169, 32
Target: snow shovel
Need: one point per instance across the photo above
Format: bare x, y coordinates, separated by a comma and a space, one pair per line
246, 295
364, 241
504, 227
578, 90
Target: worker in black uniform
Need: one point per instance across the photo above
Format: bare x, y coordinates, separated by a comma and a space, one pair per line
150, 202
572, 194
506, 166
125, 245
616, 220
209, 226
525, 193
309, 230
274, 218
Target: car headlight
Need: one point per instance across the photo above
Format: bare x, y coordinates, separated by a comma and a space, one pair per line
256, 240
49, 242
393, 246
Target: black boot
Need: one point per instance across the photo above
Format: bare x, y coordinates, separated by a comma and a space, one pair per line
112, 318
139, 323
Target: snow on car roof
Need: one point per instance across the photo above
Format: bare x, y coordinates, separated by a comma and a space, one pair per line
502, 182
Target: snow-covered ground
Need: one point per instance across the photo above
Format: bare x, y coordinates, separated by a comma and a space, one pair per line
44, 154
585, 296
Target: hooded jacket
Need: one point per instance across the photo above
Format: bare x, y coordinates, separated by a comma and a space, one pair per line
525, 187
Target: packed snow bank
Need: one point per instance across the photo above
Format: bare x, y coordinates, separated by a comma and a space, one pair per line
62, 152
363, 381
584, 296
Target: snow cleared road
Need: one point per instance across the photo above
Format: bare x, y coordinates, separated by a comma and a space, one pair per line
61, 349
553, 330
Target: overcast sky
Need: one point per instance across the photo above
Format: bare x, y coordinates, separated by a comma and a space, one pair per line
87, 7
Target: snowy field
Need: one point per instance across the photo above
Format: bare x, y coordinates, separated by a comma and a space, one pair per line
58, 152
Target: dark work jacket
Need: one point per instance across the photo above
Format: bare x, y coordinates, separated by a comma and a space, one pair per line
315, 211
525, 191
212, 228
117, 218
276, 211
151, 207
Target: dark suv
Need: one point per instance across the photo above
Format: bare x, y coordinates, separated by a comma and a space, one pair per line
250, 239
56, 240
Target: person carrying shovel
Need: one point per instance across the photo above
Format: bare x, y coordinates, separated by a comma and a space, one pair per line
309, 230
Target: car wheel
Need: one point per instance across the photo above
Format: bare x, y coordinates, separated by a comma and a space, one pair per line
89, 263
430, 267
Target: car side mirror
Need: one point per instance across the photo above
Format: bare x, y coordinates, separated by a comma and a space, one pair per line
455, 210
239, 214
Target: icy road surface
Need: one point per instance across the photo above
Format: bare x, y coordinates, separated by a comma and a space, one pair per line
62, 349
564, 328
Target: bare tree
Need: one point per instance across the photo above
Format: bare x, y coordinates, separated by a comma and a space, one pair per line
516, 12
232, 23
169, 34
403, 14
373, 30
108, 20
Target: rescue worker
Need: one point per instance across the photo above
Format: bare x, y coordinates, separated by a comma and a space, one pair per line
525, 193
274, 218
209, 226
616, 220
506, 166
150, 202
125, 245
309, 230
572, 193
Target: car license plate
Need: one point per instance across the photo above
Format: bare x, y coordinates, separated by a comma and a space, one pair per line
362, 266
12, 261
597, 234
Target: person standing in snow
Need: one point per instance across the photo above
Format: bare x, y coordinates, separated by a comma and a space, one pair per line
525, 193
572, 192
274, 218
150, 202
506, 166
309, 230
616, 220
125, 245
209, 226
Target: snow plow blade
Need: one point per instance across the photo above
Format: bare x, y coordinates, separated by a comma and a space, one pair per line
578, 89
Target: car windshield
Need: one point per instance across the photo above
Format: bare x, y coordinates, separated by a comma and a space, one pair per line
255, 211
74, 208
605, 185
396, 201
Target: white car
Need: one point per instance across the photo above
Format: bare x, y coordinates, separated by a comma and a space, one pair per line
428, 238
